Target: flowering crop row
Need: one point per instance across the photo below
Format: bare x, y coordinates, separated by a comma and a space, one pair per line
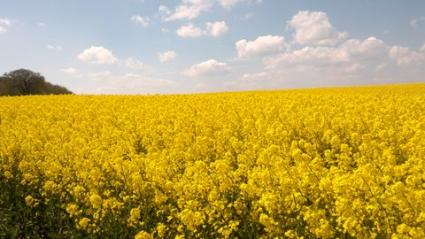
320, 163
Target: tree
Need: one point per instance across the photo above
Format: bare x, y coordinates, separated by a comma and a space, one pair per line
26, 82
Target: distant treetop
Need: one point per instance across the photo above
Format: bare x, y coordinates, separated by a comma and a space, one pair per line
26, 82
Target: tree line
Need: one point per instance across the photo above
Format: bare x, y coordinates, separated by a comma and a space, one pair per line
27, 82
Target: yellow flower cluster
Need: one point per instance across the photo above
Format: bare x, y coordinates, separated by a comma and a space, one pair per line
318, 163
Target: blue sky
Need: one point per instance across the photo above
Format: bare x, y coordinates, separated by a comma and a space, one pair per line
179, 46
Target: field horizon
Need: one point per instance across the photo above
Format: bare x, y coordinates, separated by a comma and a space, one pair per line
333, 87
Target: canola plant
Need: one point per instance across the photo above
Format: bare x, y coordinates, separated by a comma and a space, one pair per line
315, 163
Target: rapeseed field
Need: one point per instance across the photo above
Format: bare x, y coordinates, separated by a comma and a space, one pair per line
313, 163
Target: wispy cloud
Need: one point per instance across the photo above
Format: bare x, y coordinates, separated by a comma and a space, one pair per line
166, 56
417, 21
54, 47
207, 69
143, 21
5, 24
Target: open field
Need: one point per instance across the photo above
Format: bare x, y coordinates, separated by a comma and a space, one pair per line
326, 163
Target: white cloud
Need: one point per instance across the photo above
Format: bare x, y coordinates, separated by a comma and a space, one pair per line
166, 56
314, 28
70, 71
260, 46
405, 56
5, 24
134, 63
415, 22
189, 31
54, 48
164, 12
41, 24
189, 9
97, 55
351, 52
327, 53
216, 29
317, 67
353, 61
308, 56
369, 48
207, 68
144, 21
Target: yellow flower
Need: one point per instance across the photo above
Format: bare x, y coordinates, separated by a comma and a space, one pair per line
30, 201
161, 229
72, 209
143, 235
8, 175
95, 200
134, 216
84, 223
